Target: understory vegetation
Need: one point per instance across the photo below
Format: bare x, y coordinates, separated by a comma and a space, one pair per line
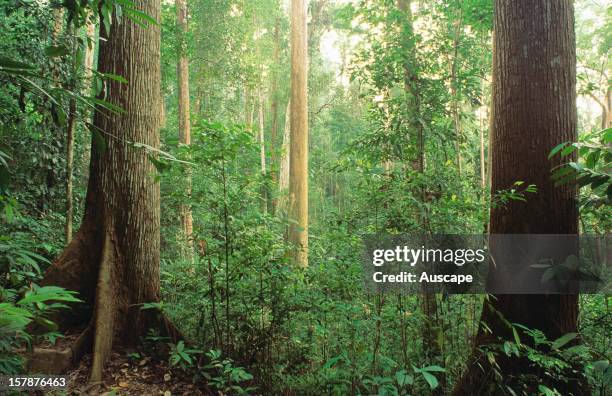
399, 118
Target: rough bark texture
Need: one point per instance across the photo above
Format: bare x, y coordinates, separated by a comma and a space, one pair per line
298, 159
534, 109
182, 71
113, 260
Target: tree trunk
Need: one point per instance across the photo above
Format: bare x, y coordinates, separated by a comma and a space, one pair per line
69, 168
481, 127
182, 71
89, 52
534, 109
455, 104
605, 105
608, 113
262, 153
113, 260
491, 110
274, 109
298, 159
283, 177
248, 108
428, 301
89, 59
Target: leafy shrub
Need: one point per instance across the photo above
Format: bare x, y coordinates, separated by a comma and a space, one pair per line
17, 314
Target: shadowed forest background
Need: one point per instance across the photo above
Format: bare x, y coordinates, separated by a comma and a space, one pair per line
184, 187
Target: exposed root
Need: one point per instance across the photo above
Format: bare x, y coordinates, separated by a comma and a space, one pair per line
105, 310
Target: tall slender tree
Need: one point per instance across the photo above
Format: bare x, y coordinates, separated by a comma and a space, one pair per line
534, 109
428, 300
274, 166
113, 260
283, 174
184, 117
262, 151
298, 157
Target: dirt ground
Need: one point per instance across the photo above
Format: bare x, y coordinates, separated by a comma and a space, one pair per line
132, 376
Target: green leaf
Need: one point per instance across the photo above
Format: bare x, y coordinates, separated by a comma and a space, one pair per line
546, 391
98, 140
105, 104
561, 341
568, 150
54, 51
607, 136
13, 64
403, 378
433, 368
48, 293
592, 158
139, 17
115, 77
517, 339
556, 149
431, 379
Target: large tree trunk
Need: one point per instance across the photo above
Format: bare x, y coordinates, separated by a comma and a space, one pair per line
113, 260
534, 109
298, 159
182, 71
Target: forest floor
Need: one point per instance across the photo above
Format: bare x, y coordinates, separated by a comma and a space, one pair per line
128, 376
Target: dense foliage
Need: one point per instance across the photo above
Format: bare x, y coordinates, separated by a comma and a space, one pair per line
253, 322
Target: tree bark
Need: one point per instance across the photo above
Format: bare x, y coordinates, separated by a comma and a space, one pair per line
534, 109
184, 121
113, 260
298, 159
